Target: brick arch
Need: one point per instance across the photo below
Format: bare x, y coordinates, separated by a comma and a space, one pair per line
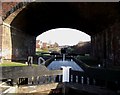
82, 15
10, 7
92, 18
13, 9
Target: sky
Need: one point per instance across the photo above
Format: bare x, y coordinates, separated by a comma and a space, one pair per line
63, 36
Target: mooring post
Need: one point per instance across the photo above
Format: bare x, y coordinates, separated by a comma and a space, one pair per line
30, 60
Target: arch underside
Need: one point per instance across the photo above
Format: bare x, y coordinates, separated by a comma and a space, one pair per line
90, 18
99, 20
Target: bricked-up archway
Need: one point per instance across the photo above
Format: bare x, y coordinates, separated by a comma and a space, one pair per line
99, 20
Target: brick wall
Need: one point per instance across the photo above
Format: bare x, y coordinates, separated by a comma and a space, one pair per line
0, 36
6, 6
106, 45
0, 25
6, 42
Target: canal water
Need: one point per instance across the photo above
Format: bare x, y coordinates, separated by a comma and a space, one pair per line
57, 64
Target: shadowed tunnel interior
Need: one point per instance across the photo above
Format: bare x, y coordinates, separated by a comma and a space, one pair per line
99, 20
87, 17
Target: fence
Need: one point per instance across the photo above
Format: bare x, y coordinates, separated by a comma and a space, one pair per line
40, 80
101, 77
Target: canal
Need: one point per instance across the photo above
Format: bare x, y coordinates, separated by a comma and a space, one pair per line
58, 63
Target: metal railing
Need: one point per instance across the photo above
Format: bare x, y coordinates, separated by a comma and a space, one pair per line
40, 80
101, 77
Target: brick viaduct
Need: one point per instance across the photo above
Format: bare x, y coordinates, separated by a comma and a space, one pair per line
22, 22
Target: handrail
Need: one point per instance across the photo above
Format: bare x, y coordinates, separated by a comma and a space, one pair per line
101, 77
96, 72
101, 73
49, 61
95, 75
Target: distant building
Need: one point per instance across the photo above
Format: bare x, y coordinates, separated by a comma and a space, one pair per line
40, 44
48, 46
37, 44
44, 45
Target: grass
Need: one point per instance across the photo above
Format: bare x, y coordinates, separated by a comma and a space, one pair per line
8, 63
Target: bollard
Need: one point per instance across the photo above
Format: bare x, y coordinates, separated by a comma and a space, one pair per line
30, 60
66, 73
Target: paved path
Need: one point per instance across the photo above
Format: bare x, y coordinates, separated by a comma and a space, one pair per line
37, 89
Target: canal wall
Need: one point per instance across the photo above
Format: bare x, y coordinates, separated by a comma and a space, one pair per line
106, 45
27, 72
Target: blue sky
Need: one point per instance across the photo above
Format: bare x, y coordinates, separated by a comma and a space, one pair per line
63, 36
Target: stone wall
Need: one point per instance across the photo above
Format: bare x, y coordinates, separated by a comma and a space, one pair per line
0, 38
113, 44
0, 27
106, 45
27, 72
6, 42
16, 45
23, 45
